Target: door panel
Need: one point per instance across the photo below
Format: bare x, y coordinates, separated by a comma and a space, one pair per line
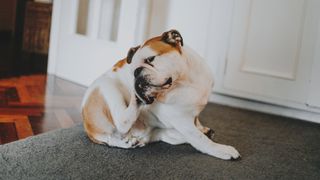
273, 40
93, 35
270, 47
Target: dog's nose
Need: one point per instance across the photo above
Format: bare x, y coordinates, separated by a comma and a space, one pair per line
137, 72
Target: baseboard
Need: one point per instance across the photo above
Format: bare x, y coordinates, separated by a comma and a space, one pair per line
265, 108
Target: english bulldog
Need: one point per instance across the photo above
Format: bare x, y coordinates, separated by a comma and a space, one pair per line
154, 94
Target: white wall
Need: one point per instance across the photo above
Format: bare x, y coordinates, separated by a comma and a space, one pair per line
194, 28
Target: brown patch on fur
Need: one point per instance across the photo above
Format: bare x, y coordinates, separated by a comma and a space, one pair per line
161, 97
90, 128
161, 47
107, 112
205, 130
94, 140
119, 65
95, 104
196, 121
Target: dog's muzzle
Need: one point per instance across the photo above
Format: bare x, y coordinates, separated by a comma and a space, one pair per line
144, 88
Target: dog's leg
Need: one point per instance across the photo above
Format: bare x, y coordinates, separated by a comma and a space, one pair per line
170, 136
107, 122
185, 125
124, 116
128, 117
205, 130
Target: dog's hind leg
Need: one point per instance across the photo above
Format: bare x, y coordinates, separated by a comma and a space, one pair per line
106, 122
198, 140
118, 140
183, 121
96, 117
123, 113
170, 136
205, 130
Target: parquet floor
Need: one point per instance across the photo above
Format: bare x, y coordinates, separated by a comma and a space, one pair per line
35, 104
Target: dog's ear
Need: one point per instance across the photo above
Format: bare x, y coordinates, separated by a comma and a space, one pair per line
172, 37
131, 52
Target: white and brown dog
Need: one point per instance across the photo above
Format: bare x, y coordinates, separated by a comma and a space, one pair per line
155, 94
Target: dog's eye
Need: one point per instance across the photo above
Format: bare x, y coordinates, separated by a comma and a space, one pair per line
149, 60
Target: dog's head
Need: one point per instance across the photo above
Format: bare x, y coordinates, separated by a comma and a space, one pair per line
157, 65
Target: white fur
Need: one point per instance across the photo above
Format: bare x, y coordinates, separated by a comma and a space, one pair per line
171, 119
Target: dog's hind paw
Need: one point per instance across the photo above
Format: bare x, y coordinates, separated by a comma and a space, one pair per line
134, 142
172, 37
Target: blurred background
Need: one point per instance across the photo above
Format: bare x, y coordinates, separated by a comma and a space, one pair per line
265, 55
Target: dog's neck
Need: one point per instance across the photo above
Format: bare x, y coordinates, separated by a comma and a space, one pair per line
198, 72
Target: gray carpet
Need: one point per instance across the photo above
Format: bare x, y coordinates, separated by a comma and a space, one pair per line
272, 147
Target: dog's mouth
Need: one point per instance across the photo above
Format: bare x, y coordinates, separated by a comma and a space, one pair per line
142, 87
146, 91
165, 85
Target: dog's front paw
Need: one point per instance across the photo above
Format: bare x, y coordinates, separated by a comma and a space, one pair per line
134, 142
227, 152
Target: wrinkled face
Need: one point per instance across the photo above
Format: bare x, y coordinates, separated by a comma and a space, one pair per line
157, 65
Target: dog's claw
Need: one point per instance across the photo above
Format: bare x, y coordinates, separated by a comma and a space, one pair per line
135, 144
235, 159
210, 133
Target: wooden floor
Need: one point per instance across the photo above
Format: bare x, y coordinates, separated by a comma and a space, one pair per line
35, 104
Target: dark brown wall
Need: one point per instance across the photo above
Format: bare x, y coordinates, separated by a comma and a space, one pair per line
7, 15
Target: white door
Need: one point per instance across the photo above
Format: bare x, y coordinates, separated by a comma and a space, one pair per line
271, 50
89, 36
314, 95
